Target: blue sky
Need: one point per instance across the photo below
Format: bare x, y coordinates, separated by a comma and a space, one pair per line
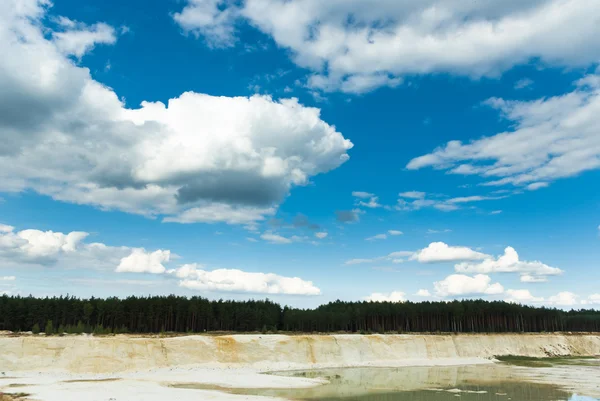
300, 151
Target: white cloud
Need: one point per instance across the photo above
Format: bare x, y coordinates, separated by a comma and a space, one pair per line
6, 228
373, 203
220, 212
412, 195
509, 263
423, 293
441, 252
38, 247
34, 247
536, 185
275, 238
210, 19
321, 235
430, 231
394, 257
552, 138
232, 280
77, 38
395, 296
362, 195
377, 237
459, 284
521, 297
142, 261
400, 254
69, 137
384, 235
523, 83
593, 299
359, 261
419, 200
564, 298
528, 278
356, 46
468, 199
31, 247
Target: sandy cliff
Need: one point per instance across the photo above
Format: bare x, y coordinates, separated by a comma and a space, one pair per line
85, 354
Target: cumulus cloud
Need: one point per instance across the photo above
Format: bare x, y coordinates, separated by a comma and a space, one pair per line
441, 252
373, 203
593, 299
53, 249
423, 293
564, 298
552, 138
67, 136
528, 278
521, 297
211, 19
220, 212
76, 38
4, 228
142, 261
357, 46
321, 235
459, 284
509, 263
395, 232
231, 280
395, 296
32, 247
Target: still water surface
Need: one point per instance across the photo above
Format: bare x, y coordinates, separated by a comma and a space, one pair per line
466, 383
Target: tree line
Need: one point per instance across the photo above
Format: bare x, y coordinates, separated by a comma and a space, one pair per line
158, 314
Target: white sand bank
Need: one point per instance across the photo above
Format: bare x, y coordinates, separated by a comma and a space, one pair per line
145, 368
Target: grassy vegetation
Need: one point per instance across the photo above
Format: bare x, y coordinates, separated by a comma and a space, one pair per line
548, 362
13, 396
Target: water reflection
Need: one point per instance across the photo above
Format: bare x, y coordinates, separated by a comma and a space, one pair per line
466, 383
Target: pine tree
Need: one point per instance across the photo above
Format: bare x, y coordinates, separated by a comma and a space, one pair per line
49, 329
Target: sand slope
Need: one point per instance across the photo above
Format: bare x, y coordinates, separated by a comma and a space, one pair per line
87, 354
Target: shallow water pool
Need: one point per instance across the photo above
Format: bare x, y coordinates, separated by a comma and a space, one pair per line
467, 383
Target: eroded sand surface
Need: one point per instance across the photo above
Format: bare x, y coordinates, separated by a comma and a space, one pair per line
136, 368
